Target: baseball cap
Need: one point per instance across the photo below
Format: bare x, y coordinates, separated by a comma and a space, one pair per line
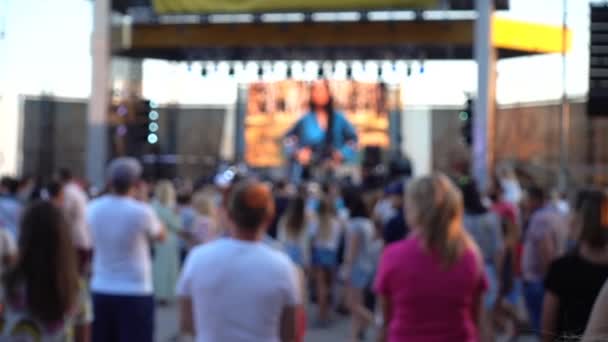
124, 171
394, 189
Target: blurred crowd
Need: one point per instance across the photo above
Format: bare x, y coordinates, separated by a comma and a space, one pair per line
248, 259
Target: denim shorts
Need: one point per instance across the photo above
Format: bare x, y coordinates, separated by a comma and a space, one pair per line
295, 254
360, 278
324, 257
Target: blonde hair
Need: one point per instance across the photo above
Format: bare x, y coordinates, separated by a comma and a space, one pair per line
203, 203
327, 215
436, 210
165, 193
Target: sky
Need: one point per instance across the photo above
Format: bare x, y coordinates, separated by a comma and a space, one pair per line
46, 48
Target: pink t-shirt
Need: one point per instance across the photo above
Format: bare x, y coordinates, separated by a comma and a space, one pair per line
430, 303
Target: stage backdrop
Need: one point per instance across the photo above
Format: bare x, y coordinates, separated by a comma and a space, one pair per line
274, 107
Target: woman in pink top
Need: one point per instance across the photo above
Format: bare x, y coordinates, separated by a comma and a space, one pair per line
431, 284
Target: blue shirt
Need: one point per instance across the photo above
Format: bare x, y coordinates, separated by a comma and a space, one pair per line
310, 134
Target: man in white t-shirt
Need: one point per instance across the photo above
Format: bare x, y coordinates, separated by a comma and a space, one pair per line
122, 230
239, 289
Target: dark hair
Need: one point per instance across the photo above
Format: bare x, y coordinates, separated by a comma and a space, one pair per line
594, 219
295, 216
353, 200
250, 204
329, 109
54, 188
10, 184
580, 198
496, 192
280, 185
47, 265
537, 193
471, 198
65, 174
122, 187
184, 198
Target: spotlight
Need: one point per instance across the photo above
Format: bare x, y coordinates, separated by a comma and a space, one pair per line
260, 71
204, 71
349, 72
321, 71
152, 138
409, 70
231, 70
153, 115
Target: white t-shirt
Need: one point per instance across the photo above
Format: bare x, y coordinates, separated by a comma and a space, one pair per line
238, 290
122, 228
75, 206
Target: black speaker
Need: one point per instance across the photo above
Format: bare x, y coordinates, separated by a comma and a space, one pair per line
597, 102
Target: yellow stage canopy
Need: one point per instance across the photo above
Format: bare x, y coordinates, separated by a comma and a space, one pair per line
256, 6
530, 37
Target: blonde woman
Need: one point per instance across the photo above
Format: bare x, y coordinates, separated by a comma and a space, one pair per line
294, 232
431, 284
166, 254
326, 231
204, 228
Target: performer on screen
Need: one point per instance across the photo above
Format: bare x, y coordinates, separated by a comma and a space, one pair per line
308, 143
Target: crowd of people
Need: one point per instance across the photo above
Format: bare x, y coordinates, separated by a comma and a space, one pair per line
426, 259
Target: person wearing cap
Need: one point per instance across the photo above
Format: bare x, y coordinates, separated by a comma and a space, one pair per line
395, 229
122, 230
255, 293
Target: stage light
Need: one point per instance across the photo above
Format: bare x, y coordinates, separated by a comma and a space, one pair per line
153, 105
409, 70
260, 71
349, 71
153, 127
422, 67
121, 130
122, 110
379, 72
152, 138
311, 71
153, 115
204, 71
231, 70
321, 71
